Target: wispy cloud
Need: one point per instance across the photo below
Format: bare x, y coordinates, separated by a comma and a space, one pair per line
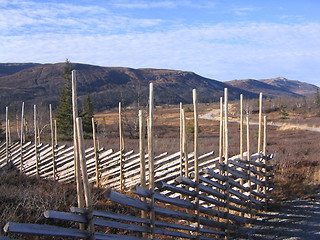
242, 11
30, 17
52, 32
163, 4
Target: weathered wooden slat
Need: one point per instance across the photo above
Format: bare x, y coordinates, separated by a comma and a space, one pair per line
39, 229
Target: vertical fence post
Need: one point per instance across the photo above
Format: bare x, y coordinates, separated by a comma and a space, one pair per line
7, 135
221, 134
21, 137
35, 138
52, 144
241, 126
181, 141
86, 185
142, 161
249, 166
196, 163
151, 159
142, 150
265, 155
121, 148
185, 144
9, 132
226, 152
55, 133
96, 154
241, 134
75, 142
260, 122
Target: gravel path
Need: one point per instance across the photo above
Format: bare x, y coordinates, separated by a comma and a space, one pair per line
298, 219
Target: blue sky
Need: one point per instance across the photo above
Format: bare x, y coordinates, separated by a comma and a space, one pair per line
218, 39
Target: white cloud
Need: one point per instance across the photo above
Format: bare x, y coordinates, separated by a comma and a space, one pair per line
223, 51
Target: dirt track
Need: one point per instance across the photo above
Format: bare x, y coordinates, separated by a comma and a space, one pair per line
298, 219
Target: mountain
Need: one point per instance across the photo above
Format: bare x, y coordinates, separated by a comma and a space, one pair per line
41, 83
294, 86
276, 87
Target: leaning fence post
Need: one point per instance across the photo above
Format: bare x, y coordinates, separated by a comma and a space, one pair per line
151, 159
196, 163
85, 180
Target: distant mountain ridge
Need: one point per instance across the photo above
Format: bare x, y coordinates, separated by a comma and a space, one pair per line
40, 84
276, 87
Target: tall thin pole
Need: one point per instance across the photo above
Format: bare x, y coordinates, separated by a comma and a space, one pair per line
241, 134
181, 141
55, 133
86, 185
265, 154
241, 126
151, 158
142, 160
185, 144
35, 138
52, 144
226, 151
260, 122
21, 137
196, 163
7, 135
9, 131
249, 164
142, 151
226, 138
121, 147
221, 133
96, 155
75, 142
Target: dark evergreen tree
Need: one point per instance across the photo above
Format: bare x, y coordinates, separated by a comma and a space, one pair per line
2, 133
87, 114
64, 108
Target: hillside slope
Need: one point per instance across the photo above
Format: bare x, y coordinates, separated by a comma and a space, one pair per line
276, 87
107, 86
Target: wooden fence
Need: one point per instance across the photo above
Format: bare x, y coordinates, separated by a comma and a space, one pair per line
225, 205
188, 195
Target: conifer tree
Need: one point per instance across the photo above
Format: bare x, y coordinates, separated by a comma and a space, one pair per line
64, 108
87, 114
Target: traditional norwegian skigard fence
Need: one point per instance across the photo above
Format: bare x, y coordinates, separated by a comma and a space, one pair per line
179, 195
